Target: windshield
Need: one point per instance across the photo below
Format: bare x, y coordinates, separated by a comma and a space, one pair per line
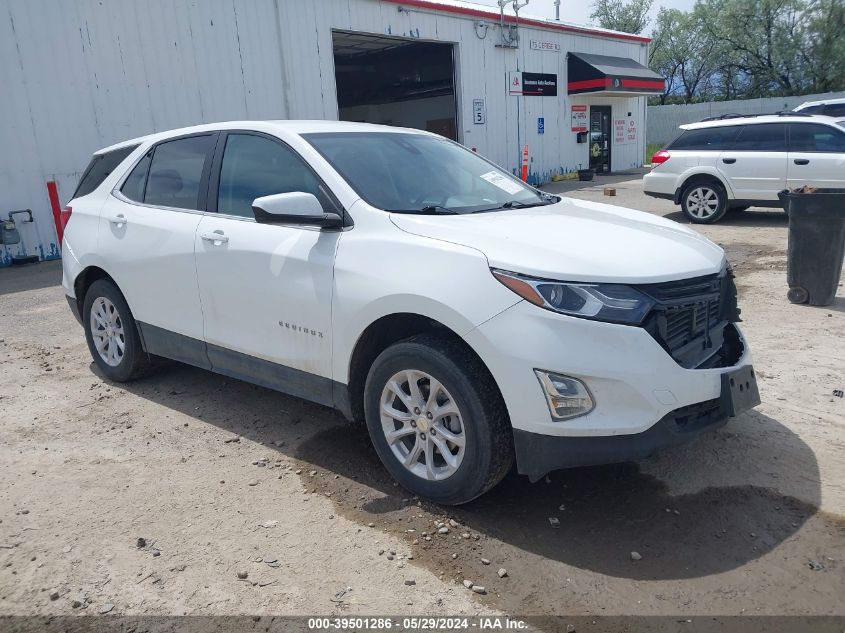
416, 173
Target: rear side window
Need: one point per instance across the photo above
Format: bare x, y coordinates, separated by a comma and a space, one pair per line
814, 109
812, 137
99, 168
762, 137
708, 138
133, 187
254, 166
176, 171
835, 109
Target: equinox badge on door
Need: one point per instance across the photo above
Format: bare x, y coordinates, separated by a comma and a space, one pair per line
299, 328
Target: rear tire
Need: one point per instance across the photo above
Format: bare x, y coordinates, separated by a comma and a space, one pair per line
112, 334
704, 202
453, 406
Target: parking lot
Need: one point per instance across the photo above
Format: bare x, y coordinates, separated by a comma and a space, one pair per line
187, 492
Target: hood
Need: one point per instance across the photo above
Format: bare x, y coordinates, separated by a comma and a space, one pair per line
575, 240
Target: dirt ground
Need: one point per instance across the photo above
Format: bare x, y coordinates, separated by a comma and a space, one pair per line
221, 478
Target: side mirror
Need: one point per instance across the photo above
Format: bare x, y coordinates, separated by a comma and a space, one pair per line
294, 208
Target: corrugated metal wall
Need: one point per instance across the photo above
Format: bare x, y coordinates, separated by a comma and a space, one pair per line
663, 121
82, 74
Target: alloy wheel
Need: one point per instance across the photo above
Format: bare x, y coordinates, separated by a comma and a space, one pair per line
703, 202
107, 331
422, 424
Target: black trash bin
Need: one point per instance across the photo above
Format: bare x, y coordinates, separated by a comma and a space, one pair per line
816, 244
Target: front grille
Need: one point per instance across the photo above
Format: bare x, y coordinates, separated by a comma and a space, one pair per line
684, 323
684, 288
691, 317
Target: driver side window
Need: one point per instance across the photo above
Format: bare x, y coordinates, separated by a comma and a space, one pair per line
255, 166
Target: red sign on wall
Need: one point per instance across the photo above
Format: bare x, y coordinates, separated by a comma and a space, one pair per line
579, 118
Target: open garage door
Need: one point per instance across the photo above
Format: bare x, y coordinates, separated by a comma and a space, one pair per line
395, 81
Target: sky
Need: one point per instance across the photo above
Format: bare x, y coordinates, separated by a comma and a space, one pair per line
578, 11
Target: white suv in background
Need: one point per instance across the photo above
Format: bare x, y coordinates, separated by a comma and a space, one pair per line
827, 107
392, 274
736, 162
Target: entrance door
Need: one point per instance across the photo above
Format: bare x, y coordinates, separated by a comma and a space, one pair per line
600, 139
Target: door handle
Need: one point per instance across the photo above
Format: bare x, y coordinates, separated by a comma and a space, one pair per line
801, 161
215, 237
119, 220
729, 161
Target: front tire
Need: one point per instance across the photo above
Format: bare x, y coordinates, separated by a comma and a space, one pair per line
437, 420
704, 202
112, 334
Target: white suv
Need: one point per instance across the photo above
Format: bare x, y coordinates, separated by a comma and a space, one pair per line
828, 107
736, 162
468, 318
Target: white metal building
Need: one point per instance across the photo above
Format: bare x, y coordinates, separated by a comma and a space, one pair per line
79, 75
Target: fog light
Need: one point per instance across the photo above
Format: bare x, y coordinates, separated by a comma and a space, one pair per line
567, 397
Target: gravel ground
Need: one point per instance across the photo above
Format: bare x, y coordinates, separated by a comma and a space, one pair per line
251, 502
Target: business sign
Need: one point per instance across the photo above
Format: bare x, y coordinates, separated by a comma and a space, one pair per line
631, 131
541, 125
624, 130
515, 83
532, 84
539, 85
579, 118
479, 114
540, 45
619, 126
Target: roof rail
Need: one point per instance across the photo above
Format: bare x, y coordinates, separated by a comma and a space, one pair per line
728, 116
751, 116
791, 113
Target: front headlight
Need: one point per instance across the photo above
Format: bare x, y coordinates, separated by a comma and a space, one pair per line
613, 303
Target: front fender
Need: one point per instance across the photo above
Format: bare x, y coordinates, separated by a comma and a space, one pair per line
377, 277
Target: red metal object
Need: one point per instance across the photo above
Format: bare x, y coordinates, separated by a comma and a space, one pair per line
607, 82
53, 192
647, 84
604, 82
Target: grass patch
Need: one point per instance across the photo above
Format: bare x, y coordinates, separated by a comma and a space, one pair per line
650, 148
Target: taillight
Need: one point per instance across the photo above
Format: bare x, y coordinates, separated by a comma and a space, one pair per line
64, 217
660, 157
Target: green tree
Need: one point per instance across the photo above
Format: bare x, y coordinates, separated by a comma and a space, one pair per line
729, 49
823, 45
685, 48
765, 37
662, 53
629, 17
